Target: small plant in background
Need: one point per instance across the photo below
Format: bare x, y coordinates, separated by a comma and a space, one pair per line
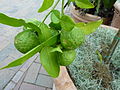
102, 8
56, 42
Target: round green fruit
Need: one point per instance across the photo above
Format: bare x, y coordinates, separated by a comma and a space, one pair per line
25, 41
72, 39
67, 57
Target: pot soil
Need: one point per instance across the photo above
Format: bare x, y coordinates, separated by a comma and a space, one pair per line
79, 16
87, 72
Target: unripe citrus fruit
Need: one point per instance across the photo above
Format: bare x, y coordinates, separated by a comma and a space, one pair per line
72, 39
25, 41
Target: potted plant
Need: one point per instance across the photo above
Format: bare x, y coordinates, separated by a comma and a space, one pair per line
102, 9
55, 42
89, 71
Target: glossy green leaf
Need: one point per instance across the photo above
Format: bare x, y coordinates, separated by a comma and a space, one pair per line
32, 24
29, 54
33, 21
46, 5
55, 26
49, 61
55, 16
34, 27
4, 19
90, 27
45, 32
84, 4
67, 23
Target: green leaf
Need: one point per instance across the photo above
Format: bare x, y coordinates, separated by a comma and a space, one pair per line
45, 32
99, 56
108, 3
4, 19
55, 16
33, 21
29, 54
46, 5
89, 27
57, 49
49, 61
33, 27
55, 26
67, 23
32, 24
84, 4
80, 24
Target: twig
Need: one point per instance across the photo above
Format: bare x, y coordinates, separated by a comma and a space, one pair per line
51, 10
112, 48
62, 10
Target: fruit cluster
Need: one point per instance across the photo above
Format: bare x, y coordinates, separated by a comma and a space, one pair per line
66, 42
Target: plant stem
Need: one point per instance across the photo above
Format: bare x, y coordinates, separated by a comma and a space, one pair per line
50, 11
98, 6
62, 10
67, 3
112, 47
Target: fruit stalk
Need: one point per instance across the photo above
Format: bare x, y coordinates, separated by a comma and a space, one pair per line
51, 10
98, 6
62, 10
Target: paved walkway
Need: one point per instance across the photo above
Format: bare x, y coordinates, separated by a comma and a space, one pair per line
31, 75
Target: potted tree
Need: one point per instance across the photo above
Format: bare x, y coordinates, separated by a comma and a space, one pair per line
57, 44
102, 9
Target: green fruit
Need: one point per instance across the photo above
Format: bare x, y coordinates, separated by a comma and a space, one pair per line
67, 57
72, 39
25, 41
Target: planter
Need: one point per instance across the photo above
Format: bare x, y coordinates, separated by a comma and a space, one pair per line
116, 18
80, 66
80, 16
64, 82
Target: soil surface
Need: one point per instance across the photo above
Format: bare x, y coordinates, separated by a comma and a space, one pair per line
102, 73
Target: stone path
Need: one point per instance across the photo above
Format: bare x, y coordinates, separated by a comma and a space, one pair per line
31, 75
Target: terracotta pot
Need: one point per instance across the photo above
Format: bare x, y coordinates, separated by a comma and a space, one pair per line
64, 82
116, 18
79, 17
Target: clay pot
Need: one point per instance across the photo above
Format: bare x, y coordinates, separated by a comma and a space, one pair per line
79, 16
116, 17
